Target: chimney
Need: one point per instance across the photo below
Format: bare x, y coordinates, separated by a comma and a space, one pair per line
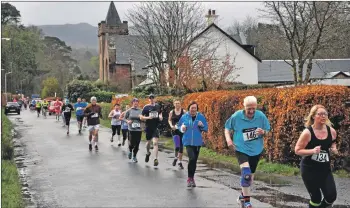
211, 17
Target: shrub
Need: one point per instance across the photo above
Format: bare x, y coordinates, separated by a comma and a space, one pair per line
80, 88
7, 149
285, 109
102, 96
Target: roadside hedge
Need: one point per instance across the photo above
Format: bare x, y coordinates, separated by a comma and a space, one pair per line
286, 109
102, 96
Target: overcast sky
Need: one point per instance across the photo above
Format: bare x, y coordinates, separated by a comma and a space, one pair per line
53, 13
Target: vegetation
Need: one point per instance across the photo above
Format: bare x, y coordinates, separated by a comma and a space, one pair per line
50, 87
11, 195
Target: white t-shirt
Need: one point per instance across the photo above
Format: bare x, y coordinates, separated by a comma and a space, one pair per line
115, 119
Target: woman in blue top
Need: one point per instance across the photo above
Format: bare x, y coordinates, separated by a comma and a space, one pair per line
249, 126
192, 125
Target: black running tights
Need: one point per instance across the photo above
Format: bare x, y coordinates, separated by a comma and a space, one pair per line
135, 139
192, 153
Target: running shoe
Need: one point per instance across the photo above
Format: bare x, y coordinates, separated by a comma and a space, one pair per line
90, 147
180, 166
175, 161
193, 184
79, 131
111, 139
134, 159
189, 182
119, 144
147, 157
96, 147
156, 162
67, 132
129, 155
123, 142
247, 205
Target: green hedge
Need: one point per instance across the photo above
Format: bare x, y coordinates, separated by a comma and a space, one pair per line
6, 138
102, 96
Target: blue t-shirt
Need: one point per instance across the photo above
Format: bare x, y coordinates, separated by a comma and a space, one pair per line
244, 137
79, 108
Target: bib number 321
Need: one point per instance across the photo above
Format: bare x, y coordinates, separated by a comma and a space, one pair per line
321, 157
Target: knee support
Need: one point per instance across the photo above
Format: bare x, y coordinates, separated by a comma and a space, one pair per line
155, 144
246, 177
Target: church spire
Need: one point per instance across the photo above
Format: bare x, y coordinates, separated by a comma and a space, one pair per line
112, 16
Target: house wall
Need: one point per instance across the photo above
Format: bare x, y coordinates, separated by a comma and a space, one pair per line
121, 77
247, 65
341, 81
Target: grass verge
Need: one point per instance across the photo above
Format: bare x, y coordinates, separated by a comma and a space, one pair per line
11, 195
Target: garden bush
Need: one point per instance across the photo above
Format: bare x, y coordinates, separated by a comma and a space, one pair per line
285, 108
102, 96
80, 88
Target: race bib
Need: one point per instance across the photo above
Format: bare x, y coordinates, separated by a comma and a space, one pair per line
79, 108
153, 114
321, 157
95, 115
249, 134
135, 124
67, 109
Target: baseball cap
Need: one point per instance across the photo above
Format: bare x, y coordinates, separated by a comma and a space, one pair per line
151, 96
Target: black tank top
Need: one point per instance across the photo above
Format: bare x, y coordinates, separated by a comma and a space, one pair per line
321, 160
176, 118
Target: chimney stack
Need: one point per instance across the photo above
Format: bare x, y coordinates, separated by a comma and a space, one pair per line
211, 17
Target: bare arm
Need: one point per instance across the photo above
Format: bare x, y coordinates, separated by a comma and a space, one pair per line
110, 114
169, 119
228, 137
334, 145
303, 140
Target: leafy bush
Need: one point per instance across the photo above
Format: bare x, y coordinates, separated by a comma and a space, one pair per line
102, 96
285, 109
79, 88
106, 108
7, 149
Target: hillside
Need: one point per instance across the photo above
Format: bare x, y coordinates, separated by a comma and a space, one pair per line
82, 35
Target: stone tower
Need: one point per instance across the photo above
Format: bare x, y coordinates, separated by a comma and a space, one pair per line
107, 50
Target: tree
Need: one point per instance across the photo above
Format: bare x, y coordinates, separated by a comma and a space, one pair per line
307, 27
50, 86
165, 28
9, 14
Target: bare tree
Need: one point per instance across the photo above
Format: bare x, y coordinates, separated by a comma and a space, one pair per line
248, 28
308, 27
165, 27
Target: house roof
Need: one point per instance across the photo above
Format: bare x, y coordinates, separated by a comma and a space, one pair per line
227, 35
113, 16
126, 49
280, 71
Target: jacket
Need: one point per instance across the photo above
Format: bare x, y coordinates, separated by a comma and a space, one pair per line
193, 134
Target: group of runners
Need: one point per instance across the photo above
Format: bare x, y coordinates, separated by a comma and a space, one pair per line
244, 132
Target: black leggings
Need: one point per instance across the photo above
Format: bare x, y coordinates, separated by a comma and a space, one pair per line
125, 133
135, 139
67, 118
116, 129
181, 148
192, 153
317, 181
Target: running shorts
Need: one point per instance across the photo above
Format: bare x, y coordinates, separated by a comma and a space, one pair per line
94, 127
252, 160
152, 133
80, 118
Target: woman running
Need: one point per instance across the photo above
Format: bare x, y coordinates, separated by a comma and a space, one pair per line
115, 122
313, 145
132, 117
192, 125
67, 109
124, 125
174, 118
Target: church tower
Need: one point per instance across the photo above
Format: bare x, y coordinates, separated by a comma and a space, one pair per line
107, 52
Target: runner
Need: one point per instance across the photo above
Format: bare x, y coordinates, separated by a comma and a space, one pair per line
85, 119
45, 106
57, 106
192, 125
38, 107
67, 109
249, 127
133, 118
174, 118
93, 113
115, 122
313, 145
151, 113
125, 126
79, 112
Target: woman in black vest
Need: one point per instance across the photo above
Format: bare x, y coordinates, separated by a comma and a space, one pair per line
174, 117
314, 146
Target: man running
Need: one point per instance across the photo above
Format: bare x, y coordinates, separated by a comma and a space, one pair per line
314, 144
115, 122
151, 113
93, 112
84, 119
174, 118
45, 106
79, 112
38, 107
58, 104
249, 127
67, 109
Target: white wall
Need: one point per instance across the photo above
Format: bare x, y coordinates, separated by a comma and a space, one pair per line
247, 64
343, 82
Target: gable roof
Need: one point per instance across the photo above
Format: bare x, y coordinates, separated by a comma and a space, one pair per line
113, 16
280, 71
227, 35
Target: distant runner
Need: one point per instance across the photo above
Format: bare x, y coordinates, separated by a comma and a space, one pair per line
67, 109
79, 112
125, 126
85, 119
249, 126
93, 112
58, 105
313, 145
115, 122
38, 107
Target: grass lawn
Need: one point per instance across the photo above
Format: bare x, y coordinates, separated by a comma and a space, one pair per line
11, 195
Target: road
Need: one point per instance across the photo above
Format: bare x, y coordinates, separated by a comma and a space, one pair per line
59, 171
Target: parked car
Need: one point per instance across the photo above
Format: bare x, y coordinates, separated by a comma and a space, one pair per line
12, 107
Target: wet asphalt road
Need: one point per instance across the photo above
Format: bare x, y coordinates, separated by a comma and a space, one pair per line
59, 171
